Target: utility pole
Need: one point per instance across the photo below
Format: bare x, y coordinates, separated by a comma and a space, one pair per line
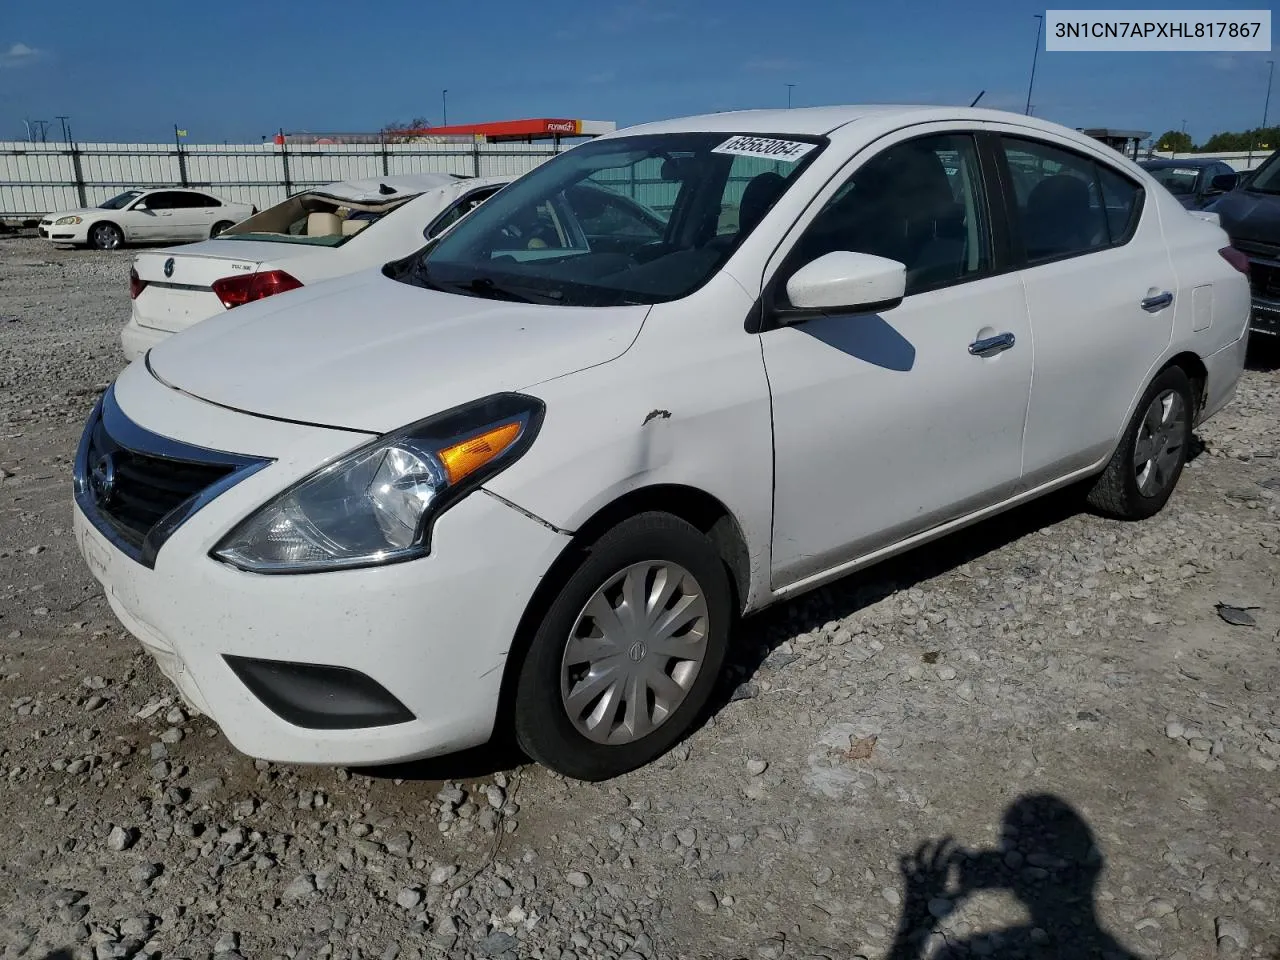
1266, 107
63, 120
1034, 57
27, 123
789, 86
444, 108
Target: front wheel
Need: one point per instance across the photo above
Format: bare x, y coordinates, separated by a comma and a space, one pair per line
105, 236
219, 227
627, 656
1148, 462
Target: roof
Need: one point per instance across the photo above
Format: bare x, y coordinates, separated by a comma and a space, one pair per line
370, 190
537, 128
819, 121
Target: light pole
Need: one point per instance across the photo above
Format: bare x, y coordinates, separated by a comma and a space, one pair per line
1266, 107
1034, 57
444, 108
789, 86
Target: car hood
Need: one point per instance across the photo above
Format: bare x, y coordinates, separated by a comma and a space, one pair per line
368, 353
1249, 216
81, 212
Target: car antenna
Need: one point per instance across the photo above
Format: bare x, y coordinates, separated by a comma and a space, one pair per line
977, 98
385, 190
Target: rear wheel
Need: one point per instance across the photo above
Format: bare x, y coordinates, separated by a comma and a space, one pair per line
105, 236
625, 659
219, 227
1148, 462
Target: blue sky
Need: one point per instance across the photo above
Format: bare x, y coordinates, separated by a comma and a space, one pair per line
236, 70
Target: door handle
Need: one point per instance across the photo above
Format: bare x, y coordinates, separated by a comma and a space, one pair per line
990, 346
1158, 302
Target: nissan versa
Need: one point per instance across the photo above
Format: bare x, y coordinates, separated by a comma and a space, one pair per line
530, 475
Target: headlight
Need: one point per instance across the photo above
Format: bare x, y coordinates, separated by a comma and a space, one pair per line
377, 504
61, 221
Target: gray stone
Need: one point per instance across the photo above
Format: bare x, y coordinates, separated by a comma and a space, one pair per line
121, 838
409, 897
576, 878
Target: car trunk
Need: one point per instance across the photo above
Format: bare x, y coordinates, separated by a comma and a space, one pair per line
175, 298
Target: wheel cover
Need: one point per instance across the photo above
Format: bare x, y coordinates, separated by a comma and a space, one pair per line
634, 652
106, 237
1158, 448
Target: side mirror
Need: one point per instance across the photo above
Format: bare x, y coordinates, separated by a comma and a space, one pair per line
141, 206
849, 282
1224, 182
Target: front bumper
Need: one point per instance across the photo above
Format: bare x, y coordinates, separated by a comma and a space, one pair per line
433, 633
66, 233
1266, 316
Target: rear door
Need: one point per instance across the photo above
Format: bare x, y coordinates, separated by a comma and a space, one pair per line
1100, 292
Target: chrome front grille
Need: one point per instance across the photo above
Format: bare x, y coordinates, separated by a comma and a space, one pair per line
137, 487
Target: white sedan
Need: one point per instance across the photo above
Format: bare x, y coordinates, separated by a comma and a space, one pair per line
326, 232
528, 477
145, 216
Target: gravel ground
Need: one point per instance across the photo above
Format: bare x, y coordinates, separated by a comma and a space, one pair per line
1060, 694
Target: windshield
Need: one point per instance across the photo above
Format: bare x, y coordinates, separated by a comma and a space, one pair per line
627, 220
121, 201
1177, 180
1267, 177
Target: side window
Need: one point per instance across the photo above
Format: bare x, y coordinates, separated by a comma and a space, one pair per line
1068, 204
156, 201
458, 211
1123, 199
202, 200
921, 203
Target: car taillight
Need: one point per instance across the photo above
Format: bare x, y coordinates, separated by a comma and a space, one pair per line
1236, 259
239, 290
136, 283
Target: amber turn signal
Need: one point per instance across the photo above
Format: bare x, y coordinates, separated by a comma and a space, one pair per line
470, 455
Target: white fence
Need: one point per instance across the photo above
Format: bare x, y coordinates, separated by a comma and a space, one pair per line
1237, 160
36, 178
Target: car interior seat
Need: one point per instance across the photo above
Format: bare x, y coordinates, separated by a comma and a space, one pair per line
324, 225
1058, 217
761, 193
350, 227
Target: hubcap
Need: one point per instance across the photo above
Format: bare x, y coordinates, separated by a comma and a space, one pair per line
634, 652
1159, 445
107, 238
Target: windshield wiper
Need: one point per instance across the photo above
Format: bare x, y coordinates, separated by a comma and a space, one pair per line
488, 287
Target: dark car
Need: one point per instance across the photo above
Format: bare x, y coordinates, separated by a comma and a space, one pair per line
1251, 217
1195, 181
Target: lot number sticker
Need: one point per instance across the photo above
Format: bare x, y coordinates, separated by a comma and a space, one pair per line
789, 150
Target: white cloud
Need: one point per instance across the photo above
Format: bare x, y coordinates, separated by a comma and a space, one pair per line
20, 55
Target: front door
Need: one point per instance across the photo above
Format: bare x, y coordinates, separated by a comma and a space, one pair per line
887, 424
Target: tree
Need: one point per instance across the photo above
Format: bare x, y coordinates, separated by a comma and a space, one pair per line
1175, 141
417, 123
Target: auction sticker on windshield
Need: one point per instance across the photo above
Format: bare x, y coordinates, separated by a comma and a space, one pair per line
789, 150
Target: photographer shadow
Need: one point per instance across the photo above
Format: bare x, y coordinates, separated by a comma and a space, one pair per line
1048, 860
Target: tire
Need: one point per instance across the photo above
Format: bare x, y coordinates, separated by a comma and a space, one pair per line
105, 236
1135, 486
651, 551
219, 227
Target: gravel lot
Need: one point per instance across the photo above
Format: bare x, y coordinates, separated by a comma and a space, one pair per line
1059, 693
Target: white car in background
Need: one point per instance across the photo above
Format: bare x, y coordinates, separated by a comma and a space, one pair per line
314, 235
145, 216
530, 475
